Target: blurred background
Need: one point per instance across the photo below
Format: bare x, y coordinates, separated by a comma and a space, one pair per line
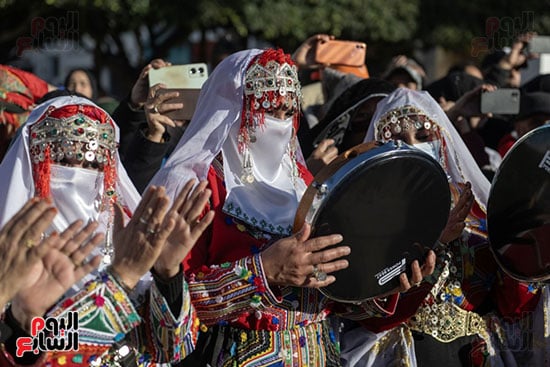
116, 38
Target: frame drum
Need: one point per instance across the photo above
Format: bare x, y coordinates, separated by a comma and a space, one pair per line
390, 202
518, 210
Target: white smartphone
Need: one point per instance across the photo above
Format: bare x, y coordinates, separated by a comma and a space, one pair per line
188, 76
187, 80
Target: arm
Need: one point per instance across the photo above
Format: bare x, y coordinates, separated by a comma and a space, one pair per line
222, 292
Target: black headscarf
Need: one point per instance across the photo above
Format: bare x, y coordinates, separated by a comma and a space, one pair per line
453, 86
540, 83
338, 116
91, 77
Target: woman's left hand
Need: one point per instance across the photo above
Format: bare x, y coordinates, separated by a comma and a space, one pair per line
187, 209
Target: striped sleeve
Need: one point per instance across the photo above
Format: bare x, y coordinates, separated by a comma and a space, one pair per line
222, 292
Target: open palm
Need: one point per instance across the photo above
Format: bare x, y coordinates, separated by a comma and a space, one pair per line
59, 269
186, 209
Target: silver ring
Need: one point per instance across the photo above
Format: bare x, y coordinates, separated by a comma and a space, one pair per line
156, 109
151, 231
417, 284
318, 274
143, 220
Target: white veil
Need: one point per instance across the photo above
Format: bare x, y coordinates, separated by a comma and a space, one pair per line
461, 165
214, 128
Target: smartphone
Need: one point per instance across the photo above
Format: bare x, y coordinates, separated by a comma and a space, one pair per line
539, 45
339, 52
187, 80
504, 101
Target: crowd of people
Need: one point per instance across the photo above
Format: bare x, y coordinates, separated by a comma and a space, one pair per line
174, 242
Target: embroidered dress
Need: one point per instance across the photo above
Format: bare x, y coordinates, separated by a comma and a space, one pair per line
455, 317
75, 127
252, 323
256, 189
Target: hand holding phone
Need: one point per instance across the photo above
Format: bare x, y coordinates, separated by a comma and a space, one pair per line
186, 80
339, 52
539, 45
503, 101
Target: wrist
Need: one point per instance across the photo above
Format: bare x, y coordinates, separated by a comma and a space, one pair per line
156, 136
21, 316
135, 106
125, 279
165, 273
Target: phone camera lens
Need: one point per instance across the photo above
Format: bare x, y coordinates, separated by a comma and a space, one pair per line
193, 71
201, 70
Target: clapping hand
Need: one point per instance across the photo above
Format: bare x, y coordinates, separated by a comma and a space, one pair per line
187, 209
63, 264
141, 241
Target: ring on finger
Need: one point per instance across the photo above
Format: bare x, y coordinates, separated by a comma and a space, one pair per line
416, 284
143, 220
151, 230
318, 274
156, 109
29, 243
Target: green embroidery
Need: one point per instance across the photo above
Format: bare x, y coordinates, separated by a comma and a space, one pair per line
262, 224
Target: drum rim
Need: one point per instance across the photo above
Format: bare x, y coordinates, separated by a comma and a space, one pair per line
392, 150
497, 256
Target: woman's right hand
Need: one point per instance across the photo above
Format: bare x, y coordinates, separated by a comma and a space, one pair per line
293, 261
325, 153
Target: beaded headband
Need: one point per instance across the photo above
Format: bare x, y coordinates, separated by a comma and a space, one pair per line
273, 77
77, 137
269, 79
77, 133
270, 82
400, 119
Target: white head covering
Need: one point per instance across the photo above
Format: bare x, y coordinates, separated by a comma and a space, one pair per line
270, 201
18, 184
461, 166
16, 169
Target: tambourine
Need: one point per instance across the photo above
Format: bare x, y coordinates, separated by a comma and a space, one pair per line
390, 203
518, 209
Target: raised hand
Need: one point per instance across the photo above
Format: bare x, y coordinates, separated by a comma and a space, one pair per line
62, 266
187, 209
140, 90
304, 56
456, 222
139, 243
322, 156
155, 108
304, 262
22, 248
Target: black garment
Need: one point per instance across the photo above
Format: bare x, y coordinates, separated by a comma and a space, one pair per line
171, 289
141, 157
540, 83
497, 76
453, 86
430, 352
10, 343
336, 122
